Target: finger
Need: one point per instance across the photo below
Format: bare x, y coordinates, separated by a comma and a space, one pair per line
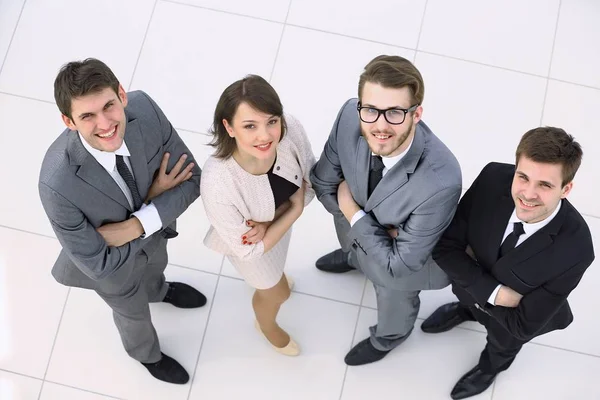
183, 175
177, 167
164, 163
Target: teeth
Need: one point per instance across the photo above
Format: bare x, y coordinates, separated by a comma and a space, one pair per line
264, 146
382, 137
109, 134
527, 204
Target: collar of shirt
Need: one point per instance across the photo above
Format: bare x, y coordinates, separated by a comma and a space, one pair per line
389, 162
106, 159
530, 229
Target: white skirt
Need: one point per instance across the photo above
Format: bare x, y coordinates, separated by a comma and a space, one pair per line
266, 271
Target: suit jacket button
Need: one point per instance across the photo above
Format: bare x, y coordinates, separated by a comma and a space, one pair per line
296, 177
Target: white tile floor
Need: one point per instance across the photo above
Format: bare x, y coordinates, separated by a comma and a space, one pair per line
492, 70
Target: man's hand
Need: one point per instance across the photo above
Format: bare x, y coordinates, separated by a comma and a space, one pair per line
393, 232
165, 181
506, 297
346, 202
257, 233
119, 233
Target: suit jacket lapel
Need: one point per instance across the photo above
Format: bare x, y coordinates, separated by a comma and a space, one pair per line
139, 163
397, 176
536, 243
92, 172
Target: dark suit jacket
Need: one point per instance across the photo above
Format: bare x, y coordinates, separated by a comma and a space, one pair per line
544, 269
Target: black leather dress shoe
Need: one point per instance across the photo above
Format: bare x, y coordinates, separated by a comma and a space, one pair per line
168, 370
336, 262
364, 353
473, 382
445, 318
184, 296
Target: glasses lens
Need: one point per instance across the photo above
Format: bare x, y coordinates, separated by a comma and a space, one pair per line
395, 116
369, 114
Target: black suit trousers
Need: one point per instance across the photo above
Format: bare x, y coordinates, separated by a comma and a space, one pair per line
501, 348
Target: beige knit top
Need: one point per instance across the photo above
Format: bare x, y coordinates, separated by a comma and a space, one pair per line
231, 195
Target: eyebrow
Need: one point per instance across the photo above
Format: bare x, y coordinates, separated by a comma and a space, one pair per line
251, 120
544, 182
389, 108
90, 113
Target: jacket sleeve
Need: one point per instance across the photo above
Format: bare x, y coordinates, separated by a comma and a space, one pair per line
450, 252
172, 203
326, 175
537, 307
382, 257
80, 240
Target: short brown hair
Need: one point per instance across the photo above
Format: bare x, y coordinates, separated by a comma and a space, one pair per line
552, 146
393, 72
258, 94
79, 78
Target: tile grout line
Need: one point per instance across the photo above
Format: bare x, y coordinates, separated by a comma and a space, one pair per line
420, 31
27, 97
222, 11
137, 61
54, 342
354, 335
21, 374
550, 63
280, 40
85, 390
212, 303
12, 37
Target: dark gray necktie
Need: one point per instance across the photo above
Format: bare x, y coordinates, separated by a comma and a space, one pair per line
511, 240
130, 181
375, 172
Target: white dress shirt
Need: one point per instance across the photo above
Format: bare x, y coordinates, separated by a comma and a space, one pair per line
529, 229
388, 163
147, 214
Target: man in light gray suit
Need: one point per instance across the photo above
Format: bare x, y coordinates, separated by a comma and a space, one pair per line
392, 187
105, 188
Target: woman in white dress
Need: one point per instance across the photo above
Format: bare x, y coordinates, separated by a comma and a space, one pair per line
254, 188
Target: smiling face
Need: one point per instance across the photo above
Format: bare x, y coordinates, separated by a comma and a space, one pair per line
100, 118
537, 189
256, 134
386, 139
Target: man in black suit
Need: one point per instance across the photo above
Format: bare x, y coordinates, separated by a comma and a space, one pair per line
514, 251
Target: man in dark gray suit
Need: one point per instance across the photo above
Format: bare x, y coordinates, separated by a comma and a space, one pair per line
392, 187
105, 188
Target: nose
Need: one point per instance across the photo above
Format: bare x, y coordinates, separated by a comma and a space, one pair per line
381, 124
104, 123
529, 192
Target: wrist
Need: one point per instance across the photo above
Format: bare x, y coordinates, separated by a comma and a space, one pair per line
135, 227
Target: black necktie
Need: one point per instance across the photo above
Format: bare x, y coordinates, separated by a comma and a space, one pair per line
511, 240
375, 172
128, 178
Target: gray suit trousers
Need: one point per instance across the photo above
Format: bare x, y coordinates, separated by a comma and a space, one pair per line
143, 284
397, 310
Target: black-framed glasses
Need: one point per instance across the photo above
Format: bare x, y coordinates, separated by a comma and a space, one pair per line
394, 115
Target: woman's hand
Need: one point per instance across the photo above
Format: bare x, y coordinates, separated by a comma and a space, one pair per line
257, 233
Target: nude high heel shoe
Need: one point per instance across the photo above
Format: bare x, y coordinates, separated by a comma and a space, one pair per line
292, 349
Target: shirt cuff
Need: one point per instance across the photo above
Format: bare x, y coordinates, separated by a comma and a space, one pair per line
492, 299
149, 218
359, 214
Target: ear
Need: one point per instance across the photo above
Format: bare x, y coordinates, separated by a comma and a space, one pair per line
122, 95
566, 190
68, 122
228, 128
418, 114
